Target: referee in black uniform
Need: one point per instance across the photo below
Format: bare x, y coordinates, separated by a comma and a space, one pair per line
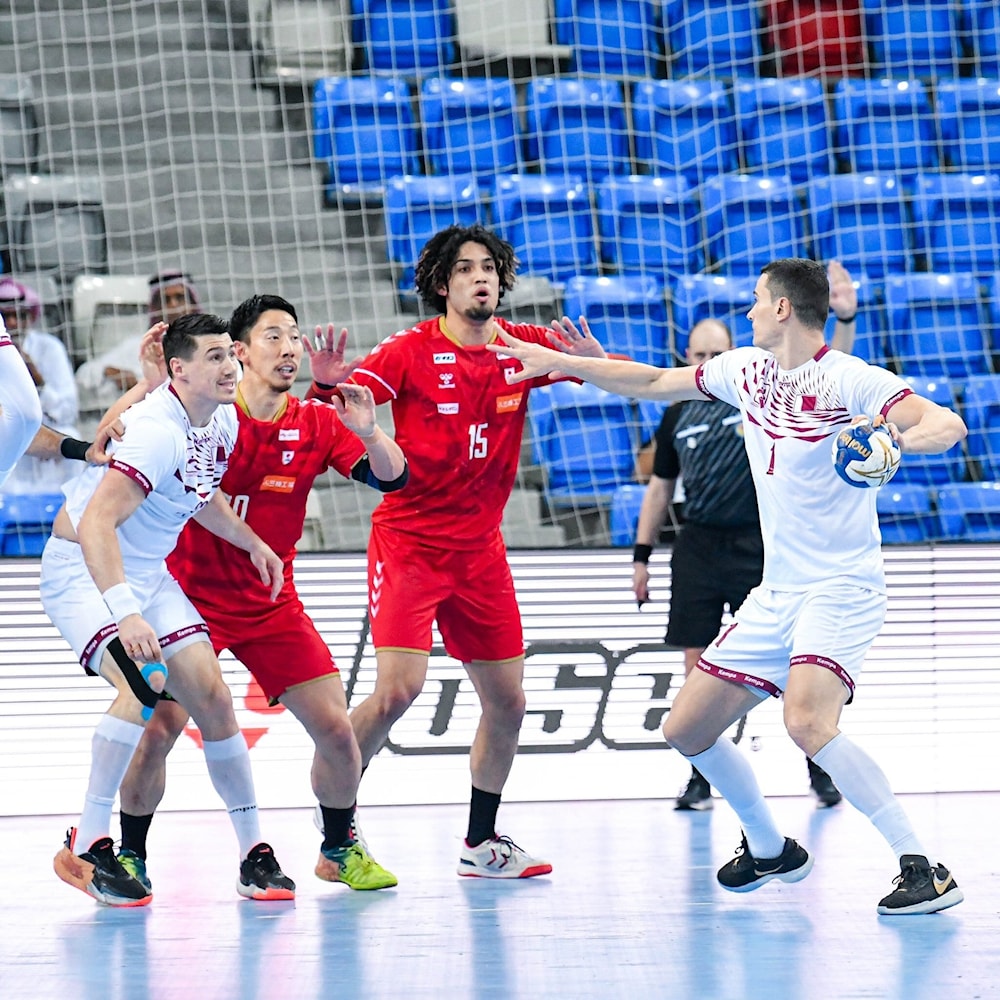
718, 554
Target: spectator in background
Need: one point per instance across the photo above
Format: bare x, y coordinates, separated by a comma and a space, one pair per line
103, 379
48, 364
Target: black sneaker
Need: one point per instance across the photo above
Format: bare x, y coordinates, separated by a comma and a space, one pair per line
697, 795
921, 888
745, 872
261, 876
826, 792
99, 873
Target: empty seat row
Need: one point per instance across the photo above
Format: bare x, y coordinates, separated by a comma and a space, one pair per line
721, 38
368, 128
731, 224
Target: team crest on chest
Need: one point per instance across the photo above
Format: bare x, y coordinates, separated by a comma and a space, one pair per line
286, 457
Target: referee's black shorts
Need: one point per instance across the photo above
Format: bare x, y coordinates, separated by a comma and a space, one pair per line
710, 569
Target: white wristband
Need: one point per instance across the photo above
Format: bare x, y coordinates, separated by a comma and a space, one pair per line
121, 601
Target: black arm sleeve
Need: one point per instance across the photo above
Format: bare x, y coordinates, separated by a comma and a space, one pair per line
362, 472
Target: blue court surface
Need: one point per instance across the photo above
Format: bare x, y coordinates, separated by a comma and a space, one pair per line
631, 910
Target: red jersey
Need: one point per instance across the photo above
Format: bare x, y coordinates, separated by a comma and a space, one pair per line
271, 471
459, 423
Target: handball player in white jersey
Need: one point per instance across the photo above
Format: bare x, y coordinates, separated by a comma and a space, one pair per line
106, 587
822, 567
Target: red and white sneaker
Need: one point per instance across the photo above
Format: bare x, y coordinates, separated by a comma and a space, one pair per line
99, 873
499, 857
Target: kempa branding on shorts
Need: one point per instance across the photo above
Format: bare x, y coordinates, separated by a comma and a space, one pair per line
444, 359
277, 484
507, 403
447, 408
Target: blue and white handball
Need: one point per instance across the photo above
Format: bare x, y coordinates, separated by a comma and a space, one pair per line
865, 456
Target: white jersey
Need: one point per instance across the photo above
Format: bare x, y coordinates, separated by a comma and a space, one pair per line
816, 527
178, 466
20, 408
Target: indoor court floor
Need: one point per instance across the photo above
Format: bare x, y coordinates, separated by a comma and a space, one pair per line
632, 910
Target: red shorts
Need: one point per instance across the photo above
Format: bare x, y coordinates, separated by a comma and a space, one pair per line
281, 650
469, 592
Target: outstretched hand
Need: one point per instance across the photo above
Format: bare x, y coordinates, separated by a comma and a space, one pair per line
355, 405
565, 337
326, 357
843, 294
535, 359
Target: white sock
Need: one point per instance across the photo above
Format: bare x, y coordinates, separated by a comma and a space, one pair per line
229, 768
111, 749
728, 771
865, 786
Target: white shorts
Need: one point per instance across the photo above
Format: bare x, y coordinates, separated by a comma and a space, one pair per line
73, 602
831, 627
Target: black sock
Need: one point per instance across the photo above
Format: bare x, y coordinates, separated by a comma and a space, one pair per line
134, 830
482, 816
336, 825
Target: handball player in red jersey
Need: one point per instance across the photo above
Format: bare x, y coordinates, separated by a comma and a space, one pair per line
436, 551
283, 444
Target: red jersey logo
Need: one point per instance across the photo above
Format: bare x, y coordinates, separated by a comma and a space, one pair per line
505, 404
278, 484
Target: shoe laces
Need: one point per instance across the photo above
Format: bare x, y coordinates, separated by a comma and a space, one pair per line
912, 876
507, 846
263, 859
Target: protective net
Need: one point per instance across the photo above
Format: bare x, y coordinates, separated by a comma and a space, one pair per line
644, 159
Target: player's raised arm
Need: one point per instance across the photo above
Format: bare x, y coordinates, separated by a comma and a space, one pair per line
627, 378
925, 428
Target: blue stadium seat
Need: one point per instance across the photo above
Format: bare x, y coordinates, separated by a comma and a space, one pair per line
884, 126
577, 126
970, 512
650, 415
623, 518
711, 296
869, 325
906, 514
470, 126
933, 470
404, 37
980, 25
957, 220
981, 409
417, 207
861, 220
684, 127
650, 225
783, 127
969, 113
628, 314
750, 221
937, 325
26, 522
610, 37
549, 222
584, 440
913, 37
364, 132
716, 38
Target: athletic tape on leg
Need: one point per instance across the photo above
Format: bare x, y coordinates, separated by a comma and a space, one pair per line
138, 679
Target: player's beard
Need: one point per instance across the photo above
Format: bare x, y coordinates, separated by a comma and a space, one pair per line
479, 314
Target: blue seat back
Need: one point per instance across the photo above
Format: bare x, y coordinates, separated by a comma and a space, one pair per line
751, 220
783, 127
549, 222
937, 325
906, 514
577, 126
584, 439
970, 512
980, 26
470, 126
933, 470
861, 220
981, 409
610, 37
26, 521
884, 126
711, 296
684, 127
716, 38
969, 113
650, 224
623, 517
407, 37
957, 220
627, 314
913, 37
364, 129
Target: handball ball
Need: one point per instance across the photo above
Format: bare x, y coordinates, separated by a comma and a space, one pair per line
865, 456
